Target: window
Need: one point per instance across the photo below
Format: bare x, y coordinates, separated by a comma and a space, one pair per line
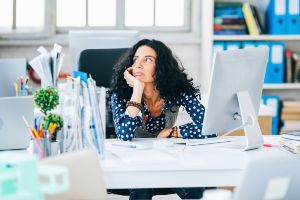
123, 14
30, 16
22, 15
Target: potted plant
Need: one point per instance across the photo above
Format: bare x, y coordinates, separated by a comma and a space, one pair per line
46, 99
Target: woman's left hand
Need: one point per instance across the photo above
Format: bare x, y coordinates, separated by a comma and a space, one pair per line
164, 133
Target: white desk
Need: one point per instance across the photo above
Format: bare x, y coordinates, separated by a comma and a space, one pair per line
207, 165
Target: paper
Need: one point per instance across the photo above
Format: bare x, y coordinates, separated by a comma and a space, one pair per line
141, 155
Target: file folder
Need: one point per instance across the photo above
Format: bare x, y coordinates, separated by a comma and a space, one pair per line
274, 103
233, 45
276, 17
248, 44
293, 16
275, 66
275, 72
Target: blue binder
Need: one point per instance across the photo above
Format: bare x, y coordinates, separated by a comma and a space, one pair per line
275, 68
248, 44
293, 16
274, 102
276, 17
275, 65
233, 45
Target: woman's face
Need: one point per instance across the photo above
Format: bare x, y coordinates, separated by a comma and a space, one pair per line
143, 67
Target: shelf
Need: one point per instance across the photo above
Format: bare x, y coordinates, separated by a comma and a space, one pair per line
256, 37
284, 86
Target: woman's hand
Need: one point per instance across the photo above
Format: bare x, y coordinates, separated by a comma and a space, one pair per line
164, 133
131, 80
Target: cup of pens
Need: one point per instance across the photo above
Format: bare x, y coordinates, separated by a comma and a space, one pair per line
21, 86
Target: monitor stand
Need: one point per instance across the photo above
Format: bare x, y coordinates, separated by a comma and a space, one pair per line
253, 135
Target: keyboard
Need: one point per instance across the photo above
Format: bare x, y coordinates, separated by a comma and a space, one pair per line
194, 142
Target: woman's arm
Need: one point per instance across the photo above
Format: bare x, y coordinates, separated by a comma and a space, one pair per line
196, 111
124, 123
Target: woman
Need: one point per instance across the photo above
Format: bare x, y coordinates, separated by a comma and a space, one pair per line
148, 87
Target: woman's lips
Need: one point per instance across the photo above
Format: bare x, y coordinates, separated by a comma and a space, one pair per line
138, 74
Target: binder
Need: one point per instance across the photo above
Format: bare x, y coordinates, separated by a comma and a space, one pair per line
275, 66
293, 16
232, 45
248, 44
276, 70
274, 103
276, 17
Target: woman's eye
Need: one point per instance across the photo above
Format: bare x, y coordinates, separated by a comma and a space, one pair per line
134, 60
148, 60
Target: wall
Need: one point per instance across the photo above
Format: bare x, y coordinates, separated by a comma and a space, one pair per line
189, 53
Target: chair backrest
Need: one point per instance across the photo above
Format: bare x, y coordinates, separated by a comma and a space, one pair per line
86, 179
270, 178
99, 63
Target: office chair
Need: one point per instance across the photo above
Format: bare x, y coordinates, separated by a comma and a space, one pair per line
99, 64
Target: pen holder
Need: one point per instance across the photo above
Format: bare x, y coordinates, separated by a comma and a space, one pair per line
46, 148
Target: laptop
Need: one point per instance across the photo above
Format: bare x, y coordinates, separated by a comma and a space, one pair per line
10, 70
13, 131
86, 179
270, 178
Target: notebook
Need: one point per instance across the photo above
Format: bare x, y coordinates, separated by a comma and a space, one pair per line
13, 131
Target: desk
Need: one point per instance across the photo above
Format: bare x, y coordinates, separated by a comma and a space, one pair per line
195, 166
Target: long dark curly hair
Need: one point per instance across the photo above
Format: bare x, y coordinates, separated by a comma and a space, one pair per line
170, 78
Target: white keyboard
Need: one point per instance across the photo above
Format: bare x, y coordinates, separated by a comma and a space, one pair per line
214, 140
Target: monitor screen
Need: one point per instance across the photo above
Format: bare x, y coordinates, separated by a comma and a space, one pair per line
94, 39
233, 72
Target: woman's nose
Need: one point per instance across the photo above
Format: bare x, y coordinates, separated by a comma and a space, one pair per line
138, 64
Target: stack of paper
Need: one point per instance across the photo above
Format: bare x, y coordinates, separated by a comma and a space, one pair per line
48, 65
291, 141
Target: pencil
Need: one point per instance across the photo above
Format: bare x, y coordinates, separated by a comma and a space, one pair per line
36, 143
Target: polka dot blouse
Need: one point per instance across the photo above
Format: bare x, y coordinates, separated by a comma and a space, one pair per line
125, 125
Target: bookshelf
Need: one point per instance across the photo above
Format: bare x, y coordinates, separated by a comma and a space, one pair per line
292, 42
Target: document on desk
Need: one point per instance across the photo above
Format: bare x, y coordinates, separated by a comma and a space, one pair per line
132, 152
194, 142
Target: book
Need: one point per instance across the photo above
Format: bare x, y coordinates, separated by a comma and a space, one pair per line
289, 70
291, 104
229, 21
249, 18
290, 149
290, 116
296, 58
257, 20
291, 136
229, 27
231, 32
228, 4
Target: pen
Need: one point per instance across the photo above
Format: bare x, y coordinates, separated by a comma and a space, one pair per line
124, 145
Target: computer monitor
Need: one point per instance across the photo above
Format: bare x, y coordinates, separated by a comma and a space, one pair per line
235, 92
80, 40
10, 70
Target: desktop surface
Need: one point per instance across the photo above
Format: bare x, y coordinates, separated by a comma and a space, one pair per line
179, 166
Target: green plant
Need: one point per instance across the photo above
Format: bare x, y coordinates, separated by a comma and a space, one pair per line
46, 99
53, 123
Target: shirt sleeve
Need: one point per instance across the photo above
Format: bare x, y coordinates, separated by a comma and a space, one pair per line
124, 124
196, 111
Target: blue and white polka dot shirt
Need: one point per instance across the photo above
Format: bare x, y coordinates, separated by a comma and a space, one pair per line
125, 125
